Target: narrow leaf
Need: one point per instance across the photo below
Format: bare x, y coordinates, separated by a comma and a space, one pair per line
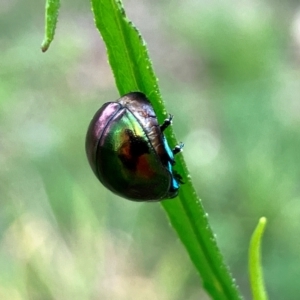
255, 268
129, 60
51, 17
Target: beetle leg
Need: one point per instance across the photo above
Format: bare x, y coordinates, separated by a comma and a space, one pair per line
178, 177
167, 122
178, 148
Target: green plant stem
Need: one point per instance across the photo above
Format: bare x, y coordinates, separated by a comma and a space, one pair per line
133, 71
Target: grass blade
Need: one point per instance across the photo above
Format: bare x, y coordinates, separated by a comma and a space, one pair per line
51, 17
255, 268
132, 69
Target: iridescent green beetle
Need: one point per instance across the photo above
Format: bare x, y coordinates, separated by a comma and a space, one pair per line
128, 152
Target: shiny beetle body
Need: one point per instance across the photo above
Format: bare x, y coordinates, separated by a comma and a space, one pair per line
128, 152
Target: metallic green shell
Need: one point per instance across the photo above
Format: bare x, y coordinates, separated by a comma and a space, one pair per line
127, 150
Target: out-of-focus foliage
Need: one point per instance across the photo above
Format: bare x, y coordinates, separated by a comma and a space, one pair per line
228, 72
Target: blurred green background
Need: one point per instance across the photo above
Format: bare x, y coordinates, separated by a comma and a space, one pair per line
229, 71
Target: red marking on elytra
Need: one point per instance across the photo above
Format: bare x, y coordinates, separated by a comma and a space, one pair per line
143, 167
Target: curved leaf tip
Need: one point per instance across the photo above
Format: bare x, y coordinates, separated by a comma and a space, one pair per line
51, 17
255, 267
